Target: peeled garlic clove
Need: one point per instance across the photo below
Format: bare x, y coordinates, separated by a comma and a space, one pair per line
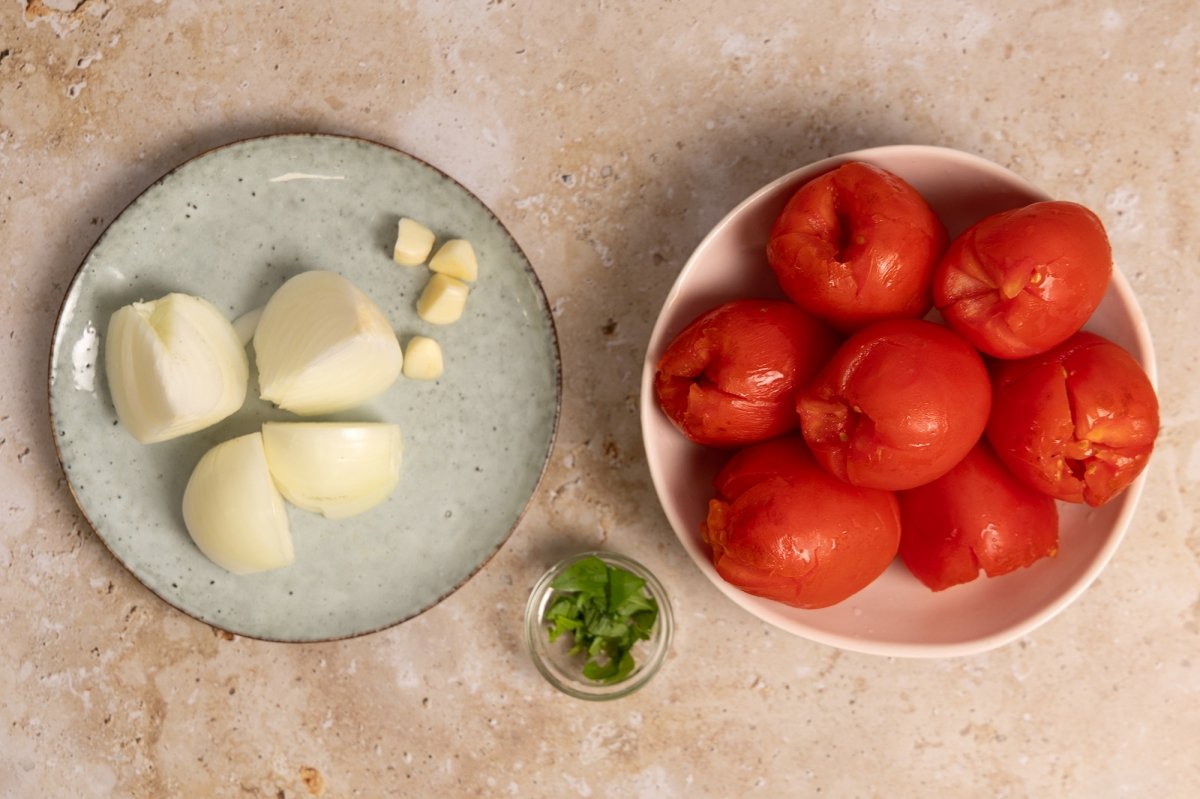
322, 345
422, 359
456, 258
413, 242
337, 469
174, 366
442, 300
233, 511
246, 324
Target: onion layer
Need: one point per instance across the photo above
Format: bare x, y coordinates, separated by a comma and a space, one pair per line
174, 366
322, 345
337, 469
233, 511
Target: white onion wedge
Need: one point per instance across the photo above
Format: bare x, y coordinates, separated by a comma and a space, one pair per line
322, 345
174, 366
337, 469
233, 511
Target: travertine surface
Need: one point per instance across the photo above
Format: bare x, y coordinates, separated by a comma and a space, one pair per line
608, 136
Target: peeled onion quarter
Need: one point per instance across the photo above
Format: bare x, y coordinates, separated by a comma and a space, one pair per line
174, 366
337, 469
322, 345
233, 511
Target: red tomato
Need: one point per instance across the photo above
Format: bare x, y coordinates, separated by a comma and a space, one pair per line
975, 516
898, 405
782, 528
1077, 422
856, 245
731, 377
1022, 281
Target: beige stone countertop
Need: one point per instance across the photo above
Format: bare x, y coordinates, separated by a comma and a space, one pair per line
608, 136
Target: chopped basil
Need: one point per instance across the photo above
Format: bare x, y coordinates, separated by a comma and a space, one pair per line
607, 611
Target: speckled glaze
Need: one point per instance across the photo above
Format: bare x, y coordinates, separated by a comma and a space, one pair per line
231, 226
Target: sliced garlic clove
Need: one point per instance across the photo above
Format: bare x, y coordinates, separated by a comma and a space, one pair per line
233, 511
337, 469
443, 300
414, 241
174, 366
422, 359
456, 258
322, 345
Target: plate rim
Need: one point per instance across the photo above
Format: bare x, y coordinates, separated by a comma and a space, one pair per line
69, 294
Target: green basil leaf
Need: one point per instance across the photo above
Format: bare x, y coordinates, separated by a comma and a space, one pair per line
643, 621
623, 588
588, 576
562, 607
624, 667
605, 626
600, 672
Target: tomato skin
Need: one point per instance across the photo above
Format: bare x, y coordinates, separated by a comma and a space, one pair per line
1022, 281
976, 516
782, 528
898, 405
857, 245
731, 377
1078, 422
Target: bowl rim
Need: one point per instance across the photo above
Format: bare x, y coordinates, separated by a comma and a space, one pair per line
773, 612
535, 637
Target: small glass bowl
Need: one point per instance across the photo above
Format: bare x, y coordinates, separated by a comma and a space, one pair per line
565, 671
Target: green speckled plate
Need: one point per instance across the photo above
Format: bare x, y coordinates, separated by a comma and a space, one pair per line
231, 225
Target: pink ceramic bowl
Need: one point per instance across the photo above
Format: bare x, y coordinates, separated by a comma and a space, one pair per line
896, 615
